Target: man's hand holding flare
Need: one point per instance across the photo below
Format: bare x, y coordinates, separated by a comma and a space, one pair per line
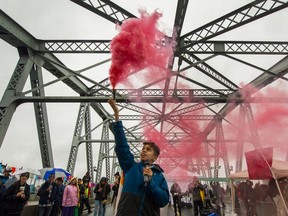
113, 105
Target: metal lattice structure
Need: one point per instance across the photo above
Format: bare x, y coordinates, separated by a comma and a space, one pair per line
215, 97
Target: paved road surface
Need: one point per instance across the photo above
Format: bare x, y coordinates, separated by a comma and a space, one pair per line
32, 210
185, 211
264, 208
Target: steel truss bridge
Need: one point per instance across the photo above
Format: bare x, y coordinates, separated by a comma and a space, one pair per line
214, 97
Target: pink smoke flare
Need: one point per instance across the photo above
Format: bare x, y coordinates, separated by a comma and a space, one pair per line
134, 48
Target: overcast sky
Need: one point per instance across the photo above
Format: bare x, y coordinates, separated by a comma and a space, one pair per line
63, 19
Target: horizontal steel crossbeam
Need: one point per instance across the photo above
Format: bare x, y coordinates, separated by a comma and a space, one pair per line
208, 47
239, 47
91, 99
128, 93
239, 17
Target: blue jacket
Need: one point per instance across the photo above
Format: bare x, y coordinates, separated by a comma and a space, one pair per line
136, 199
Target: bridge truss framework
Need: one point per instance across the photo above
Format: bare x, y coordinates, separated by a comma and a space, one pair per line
36, 55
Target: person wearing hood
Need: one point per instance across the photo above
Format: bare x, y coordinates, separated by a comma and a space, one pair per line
102, 191
84, 196
197, 199
86, 178
176, 195
145, 189
70, 198
17, 196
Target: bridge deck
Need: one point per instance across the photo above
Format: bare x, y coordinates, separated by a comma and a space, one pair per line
264, 208
31, 210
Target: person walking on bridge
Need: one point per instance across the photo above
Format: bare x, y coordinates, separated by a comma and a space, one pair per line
102, 191
197, 199
84, 196
176, 195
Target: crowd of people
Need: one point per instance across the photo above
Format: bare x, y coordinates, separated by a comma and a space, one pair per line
248, 194
56, 197
202, 197
145, 189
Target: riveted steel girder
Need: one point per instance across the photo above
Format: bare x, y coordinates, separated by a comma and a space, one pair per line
14, 88
103, 154
206, 47
76, 138
88, 136
232, 20
106, 9
41, 116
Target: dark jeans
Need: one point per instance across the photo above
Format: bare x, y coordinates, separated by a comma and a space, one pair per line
177, 203
2, 206
55, 209
250, 207
198, 206
44, 211
87, 204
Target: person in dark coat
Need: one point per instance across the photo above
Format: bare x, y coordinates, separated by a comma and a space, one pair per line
3, 189
102, 191
47, 194
115, 189
145, 189
197, 200
58, 197
84, 196
176, 195
218, 193
273, 192
250, 199
208, 196
4, 178
17, 196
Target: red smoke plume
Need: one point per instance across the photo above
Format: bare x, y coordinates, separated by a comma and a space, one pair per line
138, 45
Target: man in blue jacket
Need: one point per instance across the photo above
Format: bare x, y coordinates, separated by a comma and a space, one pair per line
145, 189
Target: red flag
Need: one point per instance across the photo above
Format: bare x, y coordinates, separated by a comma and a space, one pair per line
259, 163
13, 169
